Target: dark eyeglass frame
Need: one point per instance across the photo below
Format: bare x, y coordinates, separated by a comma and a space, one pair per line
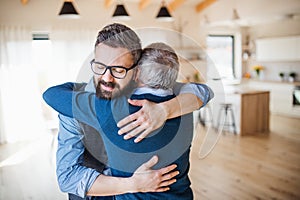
110, 69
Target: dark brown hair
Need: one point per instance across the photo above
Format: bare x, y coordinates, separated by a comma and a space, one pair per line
118, 35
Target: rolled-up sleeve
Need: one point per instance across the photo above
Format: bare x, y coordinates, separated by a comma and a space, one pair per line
202, 91
72, 176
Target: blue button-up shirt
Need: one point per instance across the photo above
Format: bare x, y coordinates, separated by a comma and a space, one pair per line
72, 176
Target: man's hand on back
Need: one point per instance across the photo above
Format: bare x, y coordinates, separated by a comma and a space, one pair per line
144, 179
148, 180
140, 124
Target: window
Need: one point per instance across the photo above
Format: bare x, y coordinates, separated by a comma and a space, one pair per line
220, 51
40, 36
41, 51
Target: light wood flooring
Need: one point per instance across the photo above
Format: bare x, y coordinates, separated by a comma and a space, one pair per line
263, 166
253, 167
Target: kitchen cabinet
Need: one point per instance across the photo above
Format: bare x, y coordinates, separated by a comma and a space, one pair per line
278, 49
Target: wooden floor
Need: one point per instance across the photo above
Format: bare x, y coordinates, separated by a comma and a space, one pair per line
255, 167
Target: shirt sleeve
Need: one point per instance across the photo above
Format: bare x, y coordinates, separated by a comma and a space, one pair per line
72, 176
202, 91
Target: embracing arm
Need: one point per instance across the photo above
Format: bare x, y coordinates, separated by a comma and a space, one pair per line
63, 99
144, 179
192, 96
75, 104
72, 176
152, 116
59, 98
77, 179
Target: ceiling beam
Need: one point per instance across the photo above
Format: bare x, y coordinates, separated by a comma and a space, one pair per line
175, 4
204, 4
24, 2
143, 4
108, 3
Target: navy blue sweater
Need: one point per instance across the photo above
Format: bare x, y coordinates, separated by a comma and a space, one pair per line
171, 142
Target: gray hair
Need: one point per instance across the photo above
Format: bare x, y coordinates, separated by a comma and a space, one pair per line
158, 66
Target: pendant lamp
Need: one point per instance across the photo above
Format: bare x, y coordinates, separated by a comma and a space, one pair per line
164, 14
68, 10
120, 13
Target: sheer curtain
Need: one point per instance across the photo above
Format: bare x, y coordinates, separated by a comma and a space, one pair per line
21, 117
27, 69
72, 47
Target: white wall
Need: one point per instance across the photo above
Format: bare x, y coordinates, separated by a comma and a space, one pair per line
41, 15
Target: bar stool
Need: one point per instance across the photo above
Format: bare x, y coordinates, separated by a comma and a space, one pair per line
225, 110
205, 115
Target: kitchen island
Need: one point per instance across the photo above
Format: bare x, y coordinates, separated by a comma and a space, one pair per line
254, 116
250, 108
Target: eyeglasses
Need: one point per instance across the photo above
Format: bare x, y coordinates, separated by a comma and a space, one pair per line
116, 71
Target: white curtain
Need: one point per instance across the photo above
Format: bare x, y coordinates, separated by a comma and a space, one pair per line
20, 104
72, 47
66, 61
28, 69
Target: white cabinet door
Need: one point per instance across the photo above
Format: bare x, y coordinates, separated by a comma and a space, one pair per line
278, 49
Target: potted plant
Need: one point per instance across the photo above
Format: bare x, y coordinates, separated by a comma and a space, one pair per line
292, 76
258, 69
281, 74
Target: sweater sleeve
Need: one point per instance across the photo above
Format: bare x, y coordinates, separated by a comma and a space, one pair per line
202, 91
75, 104
59, 98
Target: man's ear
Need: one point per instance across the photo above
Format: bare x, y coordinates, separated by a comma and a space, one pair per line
136, 74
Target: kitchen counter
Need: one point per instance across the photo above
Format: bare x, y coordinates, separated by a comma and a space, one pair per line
244, 80
247, 91
281, 94
251, 110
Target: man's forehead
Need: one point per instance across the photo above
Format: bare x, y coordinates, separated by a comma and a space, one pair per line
113, 55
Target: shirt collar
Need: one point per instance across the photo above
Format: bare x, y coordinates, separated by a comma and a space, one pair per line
90, 87
157, 92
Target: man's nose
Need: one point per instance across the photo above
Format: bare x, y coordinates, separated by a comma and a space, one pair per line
107, 77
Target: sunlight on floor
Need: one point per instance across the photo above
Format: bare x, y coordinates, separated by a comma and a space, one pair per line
27, 171
24, 153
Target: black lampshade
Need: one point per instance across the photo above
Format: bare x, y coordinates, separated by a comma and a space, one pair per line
164, 14
68, 10
120, 12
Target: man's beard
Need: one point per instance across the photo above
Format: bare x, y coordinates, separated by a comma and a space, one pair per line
116, 92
